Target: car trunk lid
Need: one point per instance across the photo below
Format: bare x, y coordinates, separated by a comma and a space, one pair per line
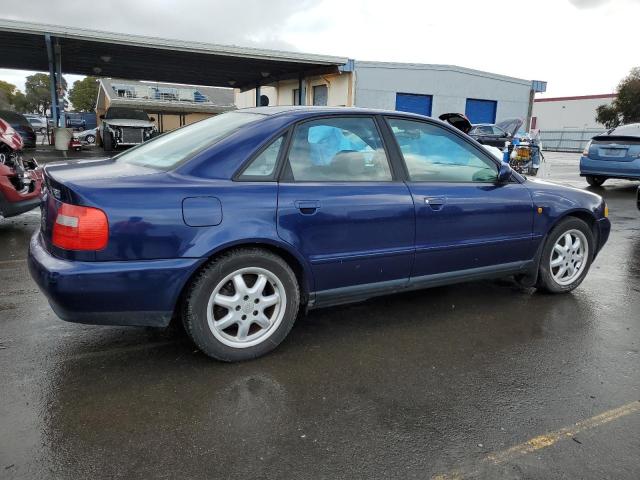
615, 148
72, 183
457, 120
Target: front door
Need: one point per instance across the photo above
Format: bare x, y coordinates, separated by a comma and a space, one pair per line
465, 220
340, 205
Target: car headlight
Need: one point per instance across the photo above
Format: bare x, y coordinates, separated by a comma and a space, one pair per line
585, 152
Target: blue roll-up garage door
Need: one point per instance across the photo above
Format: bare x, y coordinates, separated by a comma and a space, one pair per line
414, 103
481, 111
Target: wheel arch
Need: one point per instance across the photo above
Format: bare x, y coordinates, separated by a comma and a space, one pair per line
297, 263
582, 214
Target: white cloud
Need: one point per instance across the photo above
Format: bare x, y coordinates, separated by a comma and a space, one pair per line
578, 50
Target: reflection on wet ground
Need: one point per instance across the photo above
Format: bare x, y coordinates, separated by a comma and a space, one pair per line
407, 386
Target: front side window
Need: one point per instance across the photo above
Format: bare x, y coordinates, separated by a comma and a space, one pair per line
433, 154
338, 149
264, 165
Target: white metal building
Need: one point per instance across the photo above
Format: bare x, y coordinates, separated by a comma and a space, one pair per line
426, 89
568, 113
437, 89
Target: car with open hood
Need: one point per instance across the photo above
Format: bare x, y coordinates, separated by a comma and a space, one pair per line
492, 134
613, 154
123, 126
237, 223
496, 134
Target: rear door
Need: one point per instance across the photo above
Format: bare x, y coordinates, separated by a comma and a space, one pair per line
341, 205
464, 219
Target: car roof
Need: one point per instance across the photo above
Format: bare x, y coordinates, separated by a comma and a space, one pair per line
304, 111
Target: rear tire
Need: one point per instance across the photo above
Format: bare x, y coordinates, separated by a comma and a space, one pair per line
241, 305
566, 257
595, 181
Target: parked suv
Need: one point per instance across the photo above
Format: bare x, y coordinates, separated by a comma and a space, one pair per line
238, 222
125, 127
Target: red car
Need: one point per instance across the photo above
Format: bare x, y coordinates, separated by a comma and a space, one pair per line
20, 179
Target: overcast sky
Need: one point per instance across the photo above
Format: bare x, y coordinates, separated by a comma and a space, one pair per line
579, 46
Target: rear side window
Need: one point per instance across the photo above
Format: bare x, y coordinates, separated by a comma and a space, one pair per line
167, 151
264, 165
433, 154
337, 150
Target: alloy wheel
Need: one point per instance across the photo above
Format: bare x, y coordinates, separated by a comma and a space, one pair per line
246, 307
569, 257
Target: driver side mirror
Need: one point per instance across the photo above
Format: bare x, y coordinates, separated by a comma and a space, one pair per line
504, 173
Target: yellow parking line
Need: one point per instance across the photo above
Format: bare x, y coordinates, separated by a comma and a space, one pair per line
546, 440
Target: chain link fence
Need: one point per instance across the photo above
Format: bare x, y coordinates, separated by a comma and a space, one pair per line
567, 140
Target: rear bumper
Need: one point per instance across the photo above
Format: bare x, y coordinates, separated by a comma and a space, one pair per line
142, 293
11, 209
610, 168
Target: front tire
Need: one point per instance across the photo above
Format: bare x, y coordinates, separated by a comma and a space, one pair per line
595, 181
566, 257
241, 305
91, 139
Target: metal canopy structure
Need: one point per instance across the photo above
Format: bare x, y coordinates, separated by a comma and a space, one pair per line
106, 54
57, 49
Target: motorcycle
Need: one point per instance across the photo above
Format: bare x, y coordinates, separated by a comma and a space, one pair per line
20, 179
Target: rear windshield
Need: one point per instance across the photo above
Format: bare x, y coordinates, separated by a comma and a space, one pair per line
168, 150
13, 118
631, 130
126, 113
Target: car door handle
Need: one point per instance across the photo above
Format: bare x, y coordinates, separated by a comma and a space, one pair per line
307, 207
436, 203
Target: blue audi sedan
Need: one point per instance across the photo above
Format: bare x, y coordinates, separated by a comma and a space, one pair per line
237, 223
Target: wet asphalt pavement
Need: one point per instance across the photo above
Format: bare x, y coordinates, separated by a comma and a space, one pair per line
481, 380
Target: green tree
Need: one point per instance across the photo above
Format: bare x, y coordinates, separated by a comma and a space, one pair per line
626, 107
84, 94
7, 94
20, 103
38, 94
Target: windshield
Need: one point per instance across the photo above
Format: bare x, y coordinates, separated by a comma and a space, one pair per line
168, 150
126, 113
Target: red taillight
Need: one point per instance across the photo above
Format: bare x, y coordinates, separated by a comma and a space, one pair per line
80, 228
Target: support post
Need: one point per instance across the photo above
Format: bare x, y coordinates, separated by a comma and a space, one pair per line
300, 92
258, 95
53, 88
58, 54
